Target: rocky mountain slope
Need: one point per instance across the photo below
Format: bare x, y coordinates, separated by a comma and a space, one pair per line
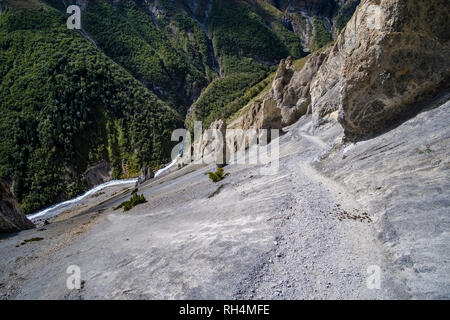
103, 100
389, 58
390, 63
67, 107
309, 232
363, 181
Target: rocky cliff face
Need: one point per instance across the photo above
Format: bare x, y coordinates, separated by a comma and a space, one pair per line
287, 100
11, 216
391, 55
292, 93
300, 16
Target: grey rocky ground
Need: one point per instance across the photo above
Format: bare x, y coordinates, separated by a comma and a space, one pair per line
403, 178
308, 232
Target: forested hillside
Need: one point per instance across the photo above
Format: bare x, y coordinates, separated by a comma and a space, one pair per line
65, 106
114, 91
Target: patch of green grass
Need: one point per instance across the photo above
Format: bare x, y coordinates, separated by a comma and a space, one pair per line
300, 63
217, 176
134, 201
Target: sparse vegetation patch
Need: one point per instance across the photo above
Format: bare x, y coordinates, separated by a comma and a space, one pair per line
31, 240
135, 200
217, 176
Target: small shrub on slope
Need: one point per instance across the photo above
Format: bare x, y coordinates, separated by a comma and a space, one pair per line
217, 176
134, 201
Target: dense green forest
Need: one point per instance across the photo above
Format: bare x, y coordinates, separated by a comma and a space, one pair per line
171, 59
173, 54
64, 106
116, 89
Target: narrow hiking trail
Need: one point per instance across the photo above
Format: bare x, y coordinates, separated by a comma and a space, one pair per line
292, 235
325, 241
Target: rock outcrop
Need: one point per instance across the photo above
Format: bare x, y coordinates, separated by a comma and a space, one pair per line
211, 147
299, 16
391, 54
98, 174
261, 115
12, 218
292, 95
145, 175
288, 99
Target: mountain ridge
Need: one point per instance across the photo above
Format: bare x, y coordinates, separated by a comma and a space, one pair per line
184, 52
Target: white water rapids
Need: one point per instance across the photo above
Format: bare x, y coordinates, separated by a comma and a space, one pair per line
58, 208
62, 206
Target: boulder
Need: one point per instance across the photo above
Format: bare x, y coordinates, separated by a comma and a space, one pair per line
282, 78
211, 148
261, 115
12, 219
145, 175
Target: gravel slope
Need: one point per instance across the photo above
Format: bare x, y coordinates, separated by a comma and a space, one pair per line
294, 235
403, 178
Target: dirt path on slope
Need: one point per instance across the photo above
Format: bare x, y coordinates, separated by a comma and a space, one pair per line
325, 242
293, 235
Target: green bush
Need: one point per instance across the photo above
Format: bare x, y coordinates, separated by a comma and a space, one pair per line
134, 201
217, 176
